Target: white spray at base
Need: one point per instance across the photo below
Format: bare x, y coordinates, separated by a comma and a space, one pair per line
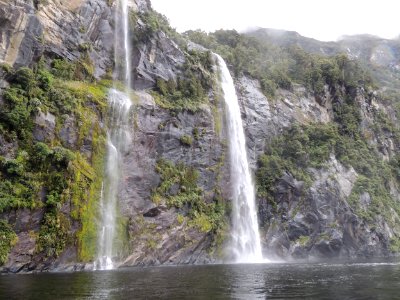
118, 139
245, 241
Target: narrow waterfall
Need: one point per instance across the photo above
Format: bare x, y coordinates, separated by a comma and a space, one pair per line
118, 139
245, 244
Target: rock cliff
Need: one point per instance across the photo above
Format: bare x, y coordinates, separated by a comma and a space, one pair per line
324, 153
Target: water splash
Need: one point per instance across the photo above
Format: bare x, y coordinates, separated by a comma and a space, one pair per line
118, 138
245, 245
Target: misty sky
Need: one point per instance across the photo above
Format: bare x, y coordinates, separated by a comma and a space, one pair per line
320, 19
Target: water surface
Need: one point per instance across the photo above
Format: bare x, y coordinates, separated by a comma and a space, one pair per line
380, 280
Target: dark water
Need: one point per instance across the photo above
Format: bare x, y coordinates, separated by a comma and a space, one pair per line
265, 281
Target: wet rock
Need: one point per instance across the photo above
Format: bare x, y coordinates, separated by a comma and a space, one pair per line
318, 222
153, 212
85, 21
68, 133
44, 129
22, 253
8, 148
159, 57
264, 118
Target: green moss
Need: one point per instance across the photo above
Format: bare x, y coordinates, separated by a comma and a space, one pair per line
8, 239
46, 169
186, 140
395, 245
61, 68
189, 197
54, 234
151, 243
302, 147
189, 91
180, 219
121, 241
196, 133
303, 240
217, 120
95, 92
202, 222
85, 189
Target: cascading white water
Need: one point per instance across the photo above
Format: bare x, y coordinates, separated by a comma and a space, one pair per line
118, 139
127, 50
245, 244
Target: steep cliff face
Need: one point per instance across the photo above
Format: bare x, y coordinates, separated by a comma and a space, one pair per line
171, 196
323, 149
159, 233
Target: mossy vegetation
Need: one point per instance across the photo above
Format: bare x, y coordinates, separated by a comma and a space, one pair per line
302, 147
310, 146
54, 233
189, 90
186, 140
179, 189
303, 240
280, 67
8, 239
153, 23
395, 244
46, 174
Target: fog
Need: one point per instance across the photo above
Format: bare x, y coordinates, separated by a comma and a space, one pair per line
319, 19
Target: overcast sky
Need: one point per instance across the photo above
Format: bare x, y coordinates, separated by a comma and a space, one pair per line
320, 19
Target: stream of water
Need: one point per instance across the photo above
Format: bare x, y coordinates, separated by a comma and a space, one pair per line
245, 244
118, 139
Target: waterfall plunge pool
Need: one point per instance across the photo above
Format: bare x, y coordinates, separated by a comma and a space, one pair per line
345, 280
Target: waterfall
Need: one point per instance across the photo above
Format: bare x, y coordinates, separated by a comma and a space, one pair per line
118, 139
245, 244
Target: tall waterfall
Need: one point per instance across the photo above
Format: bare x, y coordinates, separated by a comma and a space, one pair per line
118, 139
245, 244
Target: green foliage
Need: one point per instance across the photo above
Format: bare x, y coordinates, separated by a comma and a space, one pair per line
6, 68
61, 157
196, 133
54, 233
85, 188
47, 174
15, 167
186, 140
8, 239
302, 147
81, 69
178, 188
189, 91
19, 194
395, 245
281, 66
154, 23
42, 154
63, 69
25, 78
303, 240
15, 114
45, 79
85, 47
294, 151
